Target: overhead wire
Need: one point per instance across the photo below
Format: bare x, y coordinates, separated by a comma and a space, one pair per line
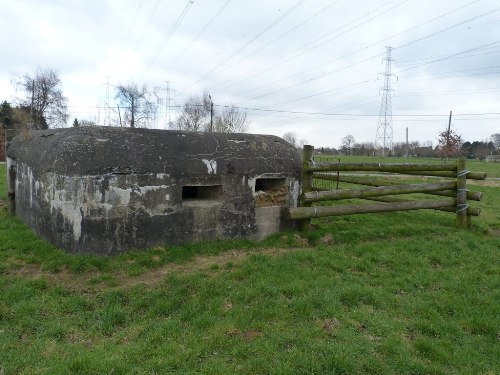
170, 33
200, 33
257, 36
318, 42
452, 55
150, 19
328, 91
286, 33
410, 63
373, 44
134, 22
462, 23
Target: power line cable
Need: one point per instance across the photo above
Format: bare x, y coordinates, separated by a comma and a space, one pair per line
364, 48
455, 54
200, 33
359, 62
170, 33
451, 77
329, 91
150, 19
469, 20
132, 26
286, 33
313, 78
262, 32
371, 45
318, 42
410, 63
352, 114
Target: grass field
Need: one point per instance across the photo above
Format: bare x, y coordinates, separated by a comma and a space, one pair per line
400, 293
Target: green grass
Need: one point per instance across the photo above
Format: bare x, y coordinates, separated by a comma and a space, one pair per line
3, 182
401, 293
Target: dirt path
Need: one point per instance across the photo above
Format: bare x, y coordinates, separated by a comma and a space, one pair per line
149, 278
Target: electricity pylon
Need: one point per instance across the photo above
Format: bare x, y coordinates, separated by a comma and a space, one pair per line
383, 138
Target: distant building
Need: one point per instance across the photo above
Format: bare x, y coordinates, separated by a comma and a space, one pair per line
492, 158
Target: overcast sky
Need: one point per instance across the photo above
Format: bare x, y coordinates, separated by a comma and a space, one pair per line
312, 67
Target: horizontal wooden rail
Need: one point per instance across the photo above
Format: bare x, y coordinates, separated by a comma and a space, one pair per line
378, 167
378, 191
384, 189
472, 211
448, 174
362, 180
470, 175
320, 211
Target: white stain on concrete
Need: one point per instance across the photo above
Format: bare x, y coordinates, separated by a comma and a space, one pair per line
295, 187
30, 179
75, 197
144, 189
117, 196
71, 214
211, 165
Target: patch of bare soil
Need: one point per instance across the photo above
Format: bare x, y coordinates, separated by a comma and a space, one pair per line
274, 197
495, 232
149, 278
246, 335
487, 182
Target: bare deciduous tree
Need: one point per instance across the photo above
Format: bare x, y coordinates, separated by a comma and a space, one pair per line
198, 115
231, 120
195, 114
44, 99
495, 138
347, 144
134, 107
291, 138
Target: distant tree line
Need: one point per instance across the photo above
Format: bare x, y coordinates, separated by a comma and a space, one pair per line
448, 145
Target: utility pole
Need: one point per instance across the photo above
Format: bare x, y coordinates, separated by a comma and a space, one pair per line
211, 114
448, 137
98, 114
168, 104
384, 137
106, 110
32, 96
406, 141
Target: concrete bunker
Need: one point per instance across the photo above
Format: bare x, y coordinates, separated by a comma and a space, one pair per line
102, 190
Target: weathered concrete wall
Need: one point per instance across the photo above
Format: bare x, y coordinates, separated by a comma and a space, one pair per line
106, 190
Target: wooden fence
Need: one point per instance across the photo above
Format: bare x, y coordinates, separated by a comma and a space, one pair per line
452, 192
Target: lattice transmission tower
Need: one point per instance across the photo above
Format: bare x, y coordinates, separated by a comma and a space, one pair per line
383, 139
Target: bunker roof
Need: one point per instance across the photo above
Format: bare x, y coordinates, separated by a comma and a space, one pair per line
96, 150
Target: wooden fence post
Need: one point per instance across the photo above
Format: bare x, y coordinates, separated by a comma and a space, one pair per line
463, 220
307, 180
